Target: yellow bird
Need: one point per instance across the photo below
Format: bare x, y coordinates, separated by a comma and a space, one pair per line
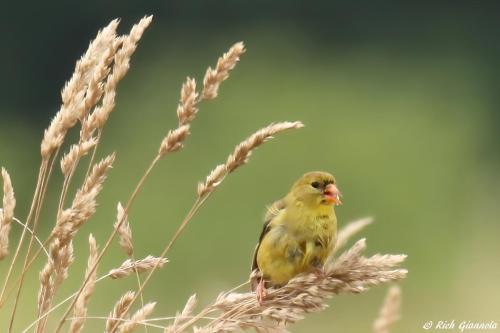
299, 232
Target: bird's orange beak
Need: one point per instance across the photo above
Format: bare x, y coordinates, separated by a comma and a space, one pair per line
332, 194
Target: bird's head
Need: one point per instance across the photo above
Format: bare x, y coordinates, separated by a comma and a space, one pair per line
317, 188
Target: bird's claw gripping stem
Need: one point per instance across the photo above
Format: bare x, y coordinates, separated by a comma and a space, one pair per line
261, 291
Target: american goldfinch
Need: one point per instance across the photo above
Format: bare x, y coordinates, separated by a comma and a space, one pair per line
299, 232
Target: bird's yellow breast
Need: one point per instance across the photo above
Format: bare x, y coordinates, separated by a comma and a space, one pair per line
299, 240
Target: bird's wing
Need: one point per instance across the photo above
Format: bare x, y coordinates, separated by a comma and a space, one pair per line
265, 230
273, 210
271, 213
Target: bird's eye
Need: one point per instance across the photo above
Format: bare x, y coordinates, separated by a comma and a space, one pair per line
315, 184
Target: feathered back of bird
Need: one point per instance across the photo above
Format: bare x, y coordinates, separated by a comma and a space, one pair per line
274, 209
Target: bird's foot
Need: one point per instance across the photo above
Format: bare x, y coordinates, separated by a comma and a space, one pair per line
319, 272
261, 291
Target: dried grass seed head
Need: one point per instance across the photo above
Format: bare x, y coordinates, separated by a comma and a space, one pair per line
6, 213
242, 153
53, 274
214, 77
124, 231
137, 318
76, 152
389, 312
142, 265
84, 203
174, 140
119, 311
80, 309
187, 108
75, 90
183, 316
121, 66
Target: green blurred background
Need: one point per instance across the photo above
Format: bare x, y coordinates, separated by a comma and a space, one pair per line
400, 102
